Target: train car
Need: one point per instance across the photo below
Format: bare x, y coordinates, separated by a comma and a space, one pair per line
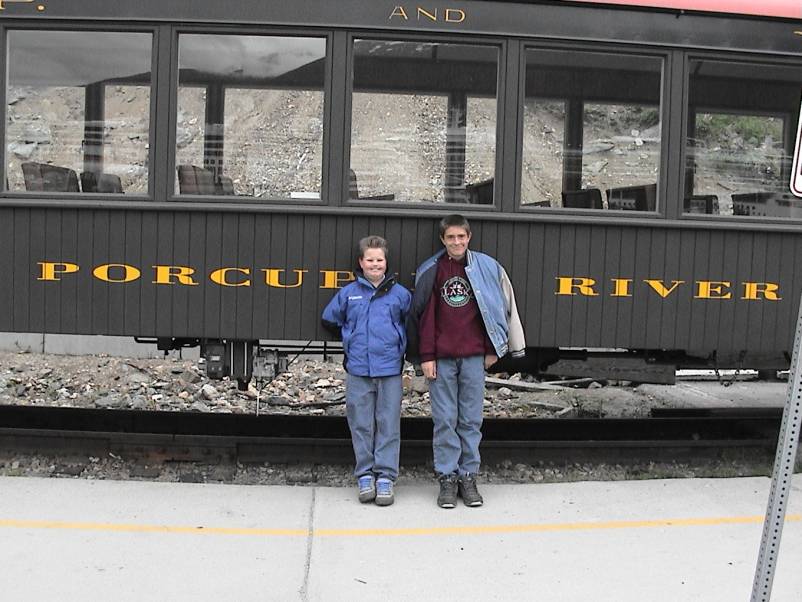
197, 173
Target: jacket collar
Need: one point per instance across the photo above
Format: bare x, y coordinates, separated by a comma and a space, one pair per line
383, 287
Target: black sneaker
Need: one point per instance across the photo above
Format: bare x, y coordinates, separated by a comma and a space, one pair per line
448, 491
466, 486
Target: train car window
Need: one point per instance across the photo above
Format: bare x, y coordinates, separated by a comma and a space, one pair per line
250, 116
423, 122
742, 120
78, 111
591, 130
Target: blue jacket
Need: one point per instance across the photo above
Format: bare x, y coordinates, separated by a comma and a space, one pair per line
371, 322
494, 296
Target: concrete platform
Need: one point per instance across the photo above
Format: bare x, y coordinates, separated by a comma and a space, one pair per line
675, 540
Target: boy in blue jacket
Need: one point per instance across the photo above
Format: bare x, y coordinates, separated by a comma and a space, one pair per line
370, 313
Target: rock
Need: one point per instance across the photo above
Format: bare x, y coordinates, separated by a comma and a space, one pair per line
22, 150
209, 392
14, 95
322, 383
505, 391
595, 385
334, 396
137, 378
199, 406
38, 134
420, 384
189, 376
276, 400
109, 401
139, 403
597, 146
184, 136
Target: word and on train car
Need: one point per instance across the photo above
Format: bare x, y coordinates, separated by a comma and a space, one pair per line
201, 177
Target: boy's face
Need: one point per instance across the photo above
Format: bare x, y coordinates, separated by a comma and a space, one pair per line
373, 264
456, 239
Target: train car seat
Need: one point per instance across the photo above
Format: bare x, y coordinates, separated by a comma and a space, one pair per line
702, 203
43, 177
353, 190
480, 193
587, 198
633, 198
107, 183
199, 180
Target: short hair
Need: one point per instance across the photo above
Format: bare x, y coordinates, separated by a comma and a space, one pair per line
372, 242
455, 219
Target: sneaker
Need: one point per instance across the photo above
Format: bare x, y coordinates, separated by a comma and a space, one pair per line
367, 488
466, 488
384, 492
448, 491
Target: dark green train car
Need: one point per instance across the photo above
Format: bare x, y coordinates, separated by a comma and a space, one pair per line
199, 172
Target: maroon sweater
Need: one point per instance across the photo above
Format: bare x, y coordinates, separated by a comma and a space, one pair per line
451, 325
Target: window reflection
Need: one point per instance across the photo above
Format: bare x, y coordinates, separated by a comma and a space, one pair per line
78, 111
591, 130
423, 122
742, 119
250, 116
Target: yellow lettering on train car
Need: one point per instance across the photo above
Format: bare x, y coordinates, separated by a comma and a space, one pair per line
566, 286
130, 273
398, 11
52, 269
220, 277
621, 287
449, 15
165, 274
273, 278
661, 289
4, 2
769, 291
334, 278
423, 11
712, 289
455, 12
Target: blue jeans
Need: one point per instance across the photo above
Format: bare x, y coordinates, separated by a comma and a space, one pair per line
457, 396
373, 406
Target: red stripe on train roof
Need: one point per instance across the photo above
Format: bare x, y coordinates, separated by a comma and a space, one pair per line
767, 8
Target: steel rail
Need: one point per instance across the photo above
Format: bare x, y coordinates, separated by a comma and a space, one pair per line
214, 438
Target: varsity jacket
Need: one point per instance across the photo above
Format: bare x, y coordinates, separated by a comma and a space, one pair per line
493, 292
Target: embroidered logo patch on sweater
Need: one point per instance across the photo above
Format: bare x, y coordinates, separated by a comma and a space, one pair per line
456, 291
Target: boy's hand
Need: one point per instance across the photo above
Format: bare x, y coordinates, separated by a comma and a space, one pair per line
429, 369
490, 359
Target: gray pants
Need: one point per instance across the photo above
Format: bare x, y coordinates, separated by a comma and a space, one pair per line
457, 398
373, 406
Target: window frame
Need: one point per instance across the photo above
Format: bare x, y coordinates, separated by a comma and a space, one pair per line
662, 206
788, 130
291, 32
500, 44
153, 30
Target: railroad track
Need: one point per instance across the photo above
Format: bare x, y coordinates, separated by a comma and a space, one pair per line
742, 433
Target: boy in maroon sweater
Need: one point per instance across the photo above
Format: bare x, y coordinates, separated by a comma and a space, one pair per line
461, 320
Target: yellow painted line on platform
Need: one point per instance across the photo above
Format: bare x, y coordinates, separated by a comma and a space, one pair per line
465, 530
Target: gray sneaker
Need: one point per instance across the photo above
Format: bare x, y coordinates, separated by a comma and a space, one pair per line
448, 491
367, 488
466, 487
384, 492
